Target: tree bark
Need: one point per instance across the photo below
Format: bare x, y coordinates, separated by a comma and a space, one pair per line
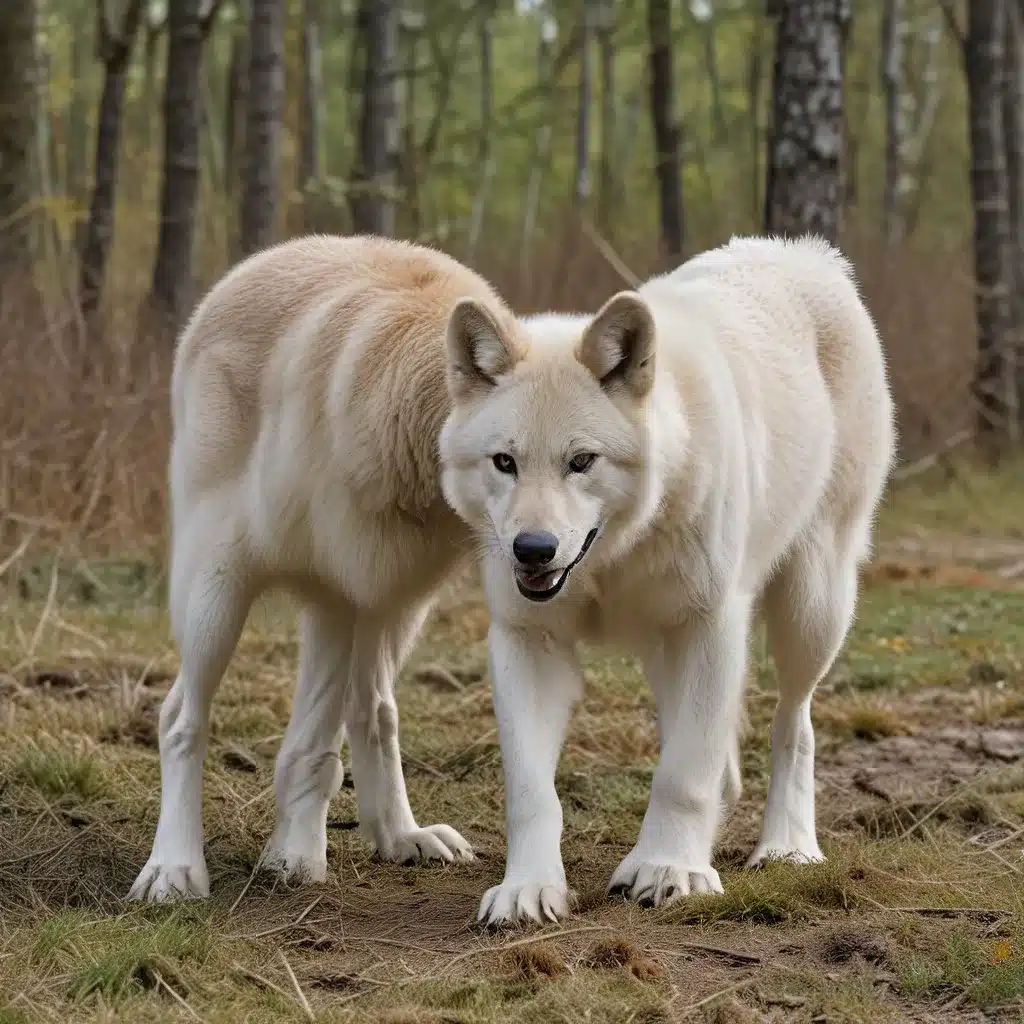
262, 179
804, 183
541, 151
484, 154
312, 84
171, 291
412, 25
1013, 135
115, 50
893, 35
19, 82
76, 165
237, 102
984, 57
666, 130
607, 188
373, 204
585, 93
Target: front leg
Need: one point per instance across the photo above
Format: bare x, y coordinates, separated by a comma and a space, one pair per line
535, 682
696, 673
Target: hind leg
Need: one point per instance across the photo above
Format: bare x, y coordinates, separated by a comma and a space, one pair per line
808, 606
211, 594
309, 771
385, 817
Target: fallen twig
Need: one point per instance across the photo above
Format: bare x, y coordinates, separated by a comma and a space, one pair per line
699, 947
529, 940
687, 1010
278, 928
265, 982
300, 995
179, 999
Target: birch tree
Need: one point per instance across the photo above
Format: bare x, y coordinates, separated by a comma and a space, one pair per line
894, 30
804, 179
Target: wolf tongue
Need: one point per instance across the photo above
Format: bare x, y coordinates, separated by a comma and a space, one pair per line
536, 580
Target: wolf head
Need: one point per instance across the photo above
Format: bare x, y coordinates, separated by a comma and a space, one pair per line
546, 447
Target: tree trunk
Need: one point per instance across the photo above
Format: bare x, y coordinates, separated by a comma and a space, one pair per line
76, 165
714, 77
412, 24
115, 48
893, 35
666, 131
171, 292
926, 107
581, 191
755, 104
19, 81
262, 179
373, 205
804, 186
541, 152
607, 188
484, 155
312, 85
984, 57
237, 103
1013, 134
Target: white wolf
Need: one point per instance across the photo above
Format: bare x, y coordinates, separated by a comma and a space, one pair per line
308, 394
719, 438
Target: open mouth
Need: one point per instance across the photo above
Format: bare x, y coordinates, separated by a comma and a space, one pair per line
543, 586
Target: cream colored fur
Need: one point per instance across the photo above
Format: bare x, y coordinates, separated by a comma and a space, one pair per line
743, 430
308, 394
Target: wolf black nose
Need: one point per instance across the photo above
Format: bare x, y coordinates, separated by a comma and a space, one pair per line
535, 548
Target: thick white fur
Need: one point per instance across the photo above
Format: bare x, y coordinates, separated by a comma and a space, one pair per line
744, 429
308, 393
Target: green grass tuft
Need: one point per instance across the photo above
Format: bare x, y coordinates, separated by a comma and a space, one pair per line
986, 972
60, 773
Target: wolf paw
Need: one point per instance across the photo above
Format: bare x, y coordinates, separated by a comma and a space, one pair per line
651, 883
296, 867
805, 853
511, 904
435, 842
159, 883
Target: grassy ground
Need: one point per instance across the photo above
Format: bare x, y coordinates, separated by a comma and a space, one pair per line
917, 915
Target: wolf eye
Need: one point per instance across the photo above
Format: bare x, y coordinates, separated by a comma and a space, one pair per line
504, 463
582, 462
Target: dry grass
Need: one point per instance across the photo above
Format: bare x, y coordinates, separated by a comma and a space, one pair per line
85, 423
919, 909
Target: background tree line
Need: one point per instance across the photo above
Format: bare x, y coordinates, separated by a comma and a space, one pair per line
560, 146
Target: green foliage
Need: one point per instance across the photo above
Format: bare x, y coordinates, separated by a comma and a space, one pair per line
723, 68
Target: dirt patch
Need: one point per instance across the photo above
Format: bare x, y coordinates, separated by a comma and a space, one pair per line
619, 951
539, 959
841, 945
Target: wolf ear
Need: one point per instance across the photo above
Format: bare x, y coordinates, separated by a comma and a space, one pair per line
478, 351
618, 346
